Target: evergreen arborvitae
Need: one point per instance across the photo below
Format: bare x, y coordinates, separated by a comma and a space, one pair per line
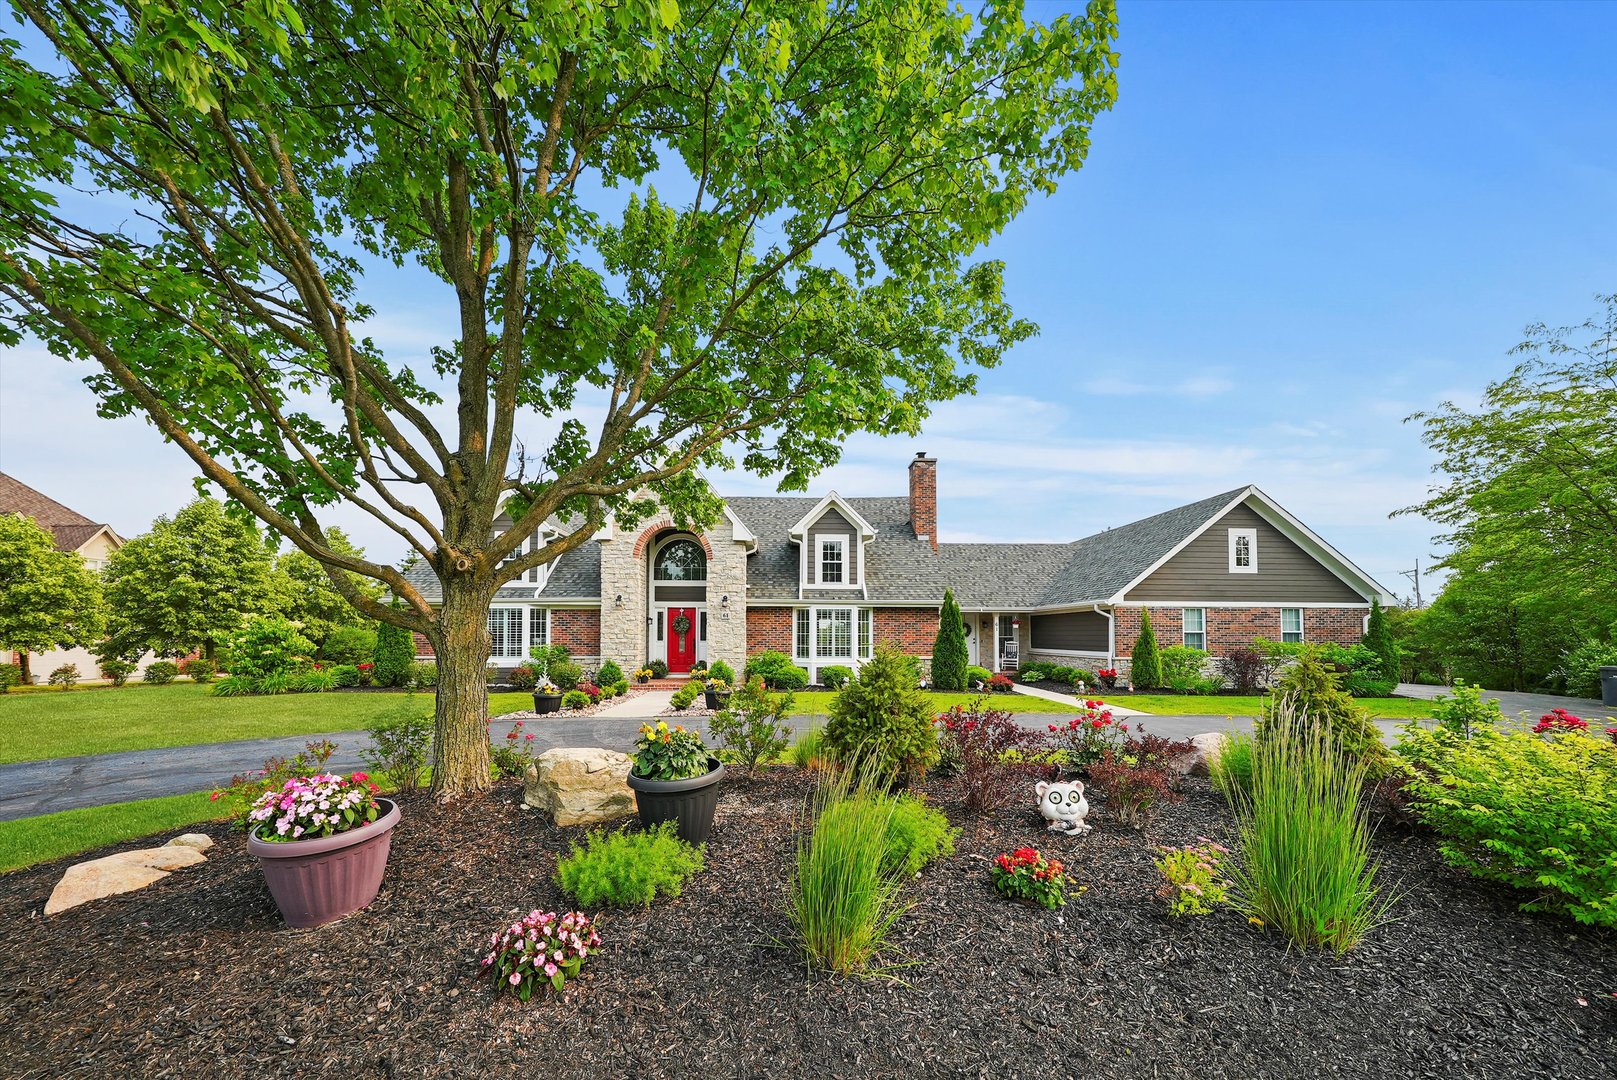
949, 659
1378, 639
1145, 663
395, 655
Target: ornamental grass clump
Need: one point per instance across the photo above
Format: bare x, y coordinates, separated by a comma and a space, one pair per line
846, 895
538, 949
1304, 839
628, 869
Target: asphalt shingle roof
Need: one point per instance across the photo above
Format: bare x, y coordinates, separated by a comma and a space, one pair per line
69, 528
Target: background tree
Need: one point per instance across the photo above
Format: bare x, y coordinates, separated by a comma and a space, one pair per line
1378, 639
801, 271
48, 598
305, 595
1145, 662
949, 657
395, 655
191, 582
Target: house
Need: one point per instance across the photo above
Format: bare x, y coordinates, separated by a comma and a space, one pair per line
824, 579
92, 541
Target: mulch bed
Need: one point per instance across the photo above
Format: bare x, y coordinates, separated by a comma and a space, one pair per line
197, 976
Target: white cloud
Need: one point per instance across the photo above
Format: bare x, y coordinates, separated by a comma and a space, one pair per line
1197, 386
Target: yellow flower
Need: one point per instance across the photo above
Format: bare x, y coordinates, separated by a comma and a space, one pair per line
1254, 920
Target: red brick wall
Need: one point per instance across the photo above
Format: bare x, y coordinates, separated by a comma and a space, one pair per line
578, 629
769, 628
1228, 628
423, 648
913, 630
924, 498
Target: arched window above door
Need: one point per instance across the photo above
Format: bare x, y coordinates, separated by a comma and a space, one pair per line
680, 560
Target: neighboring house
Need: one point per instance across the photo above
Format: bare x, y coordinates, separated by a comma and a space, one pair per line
825, 579
93, 541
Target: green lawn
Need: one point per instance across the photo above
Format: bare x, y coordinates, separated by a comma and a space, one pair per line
1387, 708
70, 723
818, 703
52, 836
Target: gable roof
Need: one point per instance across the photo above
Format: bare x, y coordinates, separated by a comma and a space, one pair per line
70, 529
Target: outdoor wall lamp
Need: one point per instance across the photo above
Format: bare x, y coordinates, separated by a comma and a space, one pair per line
724, 601
618, 600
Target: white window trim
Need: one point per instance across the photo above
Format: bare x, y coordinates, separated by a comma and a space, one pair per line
1184, 633
522, 631
813, 659
824, 545
1302, 625
1251, 536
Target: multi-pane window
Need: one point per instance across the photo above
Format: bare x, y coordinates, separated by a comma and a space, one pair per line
702, 633
800, 634
1291, 624
660, 625
833, 561
864, 633
1196, 627
538, 627
1243, 551
833, 632
681, 560
505, 631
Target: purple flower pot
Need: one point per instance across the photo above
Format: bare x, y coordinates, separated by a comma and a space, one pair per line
320, 880
690, 803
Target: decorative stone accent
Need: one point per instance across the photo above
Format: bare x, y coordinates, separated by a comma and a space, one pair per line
580, 785
120, 873
1208, 746
196, 840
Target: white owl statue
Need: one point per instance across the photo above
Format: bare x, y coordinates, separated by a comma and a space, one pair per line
1064, 807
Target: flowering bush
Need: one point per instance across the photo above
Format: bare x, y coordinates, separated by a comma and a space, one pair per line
1000, 684
669, 753
1026, 875
1087, 737
1135, 786
1192, 884
542, 947
245, 789
309, 807
1107, 676
1559, 720
990, 751
367, 673
523, 677
511, 760
590, 690
643, 675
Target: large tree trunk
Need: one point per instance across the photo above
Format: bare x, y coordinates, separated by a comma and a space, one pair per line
460, 759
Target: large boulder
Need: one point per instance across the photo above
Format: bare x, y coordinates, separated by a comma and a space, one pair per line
120, 873
580, 785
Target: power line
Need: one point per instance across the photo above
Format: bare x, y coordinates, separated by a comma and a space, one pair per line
1414, 575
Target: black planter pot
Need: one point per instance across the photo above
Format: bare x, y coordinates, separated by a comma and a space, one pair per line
716, 699
689, 802
546, 703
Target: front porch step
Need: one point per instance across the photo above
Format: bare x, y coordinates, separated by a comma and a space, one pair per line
671, 683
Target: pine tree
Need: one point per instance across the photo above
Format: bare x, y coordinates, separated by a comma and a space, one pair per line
395, 654
1378, 639
1145, 664
949, 659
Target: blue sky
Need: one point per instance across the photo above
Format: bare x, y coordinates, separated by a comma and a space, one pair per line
1301, 223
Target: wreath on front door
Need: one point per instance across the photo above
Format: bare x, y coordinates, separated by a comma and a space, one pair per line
682, 623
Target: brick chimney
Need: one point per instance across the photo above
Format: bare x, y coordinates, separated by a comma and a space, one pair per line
924, 498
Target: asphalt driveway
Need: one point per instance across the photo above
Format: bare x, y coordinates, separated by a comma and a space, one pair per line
1517, 705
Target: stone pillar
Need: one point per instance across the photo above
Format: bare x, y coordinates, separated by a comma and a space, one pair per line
623, 625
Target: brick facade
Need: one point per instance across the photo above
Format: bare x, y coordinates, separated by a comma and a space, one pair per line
577, 628
1229, 628
913, 630
924, 498
769, 628
424, 649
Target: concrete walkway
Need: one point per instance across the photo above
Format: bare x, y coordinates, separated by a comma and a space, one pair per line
1073, 701
1516, 705
645, 706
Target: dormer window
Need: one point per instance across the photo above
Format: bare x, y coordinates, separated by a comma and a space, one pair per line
833, 560
1243, 551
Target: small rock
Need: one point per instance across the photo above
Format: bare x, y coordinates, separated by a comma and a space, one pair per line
120, 873
195, 840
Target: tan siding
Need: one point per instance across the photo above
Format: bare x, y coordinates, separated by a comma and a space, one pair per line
1071, 631
833, 524
1286, 573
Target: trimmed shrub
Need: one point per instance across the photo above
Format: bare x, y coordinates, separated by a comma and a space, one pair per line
349, 645
1536, 813
575, 699
160, 672
619, 688
1182, 666
566, 675
776, 670
686, 695
883, 721
1304, 866
1244, 669
845, 896
658, 669
424, 676
345, 675
400, 747
199, 669
117, 670
752, 724
1145, 664
395, 656
628, 869
977, 677
608, 674
835, 676
949, 653
65, 676
721, 670
10, 675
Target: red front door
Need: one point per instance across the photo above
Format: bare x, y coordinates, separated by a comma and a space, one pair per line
681, 643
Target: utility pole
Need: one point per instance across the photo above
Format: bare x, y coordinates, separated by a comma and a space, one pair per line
1414, 575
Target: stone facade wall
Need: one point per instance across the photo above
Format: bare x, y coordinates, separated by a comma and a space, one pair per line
769, 628
913, 630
